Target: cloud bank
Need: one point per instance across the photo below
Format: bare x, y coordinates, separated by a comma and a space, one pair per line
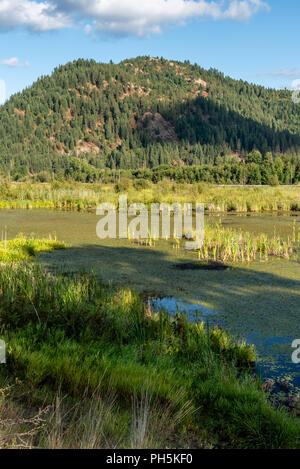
120, 17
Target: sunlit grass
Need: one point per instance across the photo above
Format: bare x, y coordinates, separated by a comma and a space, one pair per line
109, 372
77, 196
155, 374
229, 245
23, 248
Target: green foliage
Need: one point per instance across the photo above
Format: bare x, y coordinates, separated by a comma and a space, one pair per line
77, 196
74, 334
22, 248
123, 186
140, 113
255, 170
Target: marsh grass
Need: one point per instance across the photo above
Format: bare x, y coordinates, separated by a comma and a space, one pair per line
24, 248
222, 244
153, 423
18, 428
228, 245
76, 196
92, 422
129, 377
96, 368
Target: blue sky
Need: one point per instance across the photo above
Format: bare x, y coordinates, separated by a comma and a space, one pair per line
250, 39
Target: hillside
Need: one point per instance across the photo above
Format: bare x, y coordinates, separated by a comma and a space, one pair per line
139, 114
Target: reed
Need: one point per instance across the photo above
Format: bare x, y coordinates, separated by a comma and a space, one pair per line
228, 245
79, 196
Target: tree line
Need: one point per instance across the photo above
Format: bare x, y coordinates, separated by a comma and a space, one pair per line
141, 114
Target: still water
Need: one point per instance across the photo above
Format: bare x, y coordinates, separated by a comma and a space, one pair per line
259, 302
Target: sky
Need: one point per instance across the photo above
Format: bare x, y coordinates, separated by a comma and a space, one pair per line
253, 40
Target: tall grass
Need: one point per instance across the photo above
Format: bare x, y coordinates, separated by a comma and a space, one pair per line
91, 422
24, 248
229, 245
133, 378
77, 196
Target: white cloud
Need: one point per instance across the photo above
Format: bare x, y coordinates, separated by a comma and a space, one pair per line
137, 17
14, 62
88, 29
244, 10
36, 16
295, 85
142, 17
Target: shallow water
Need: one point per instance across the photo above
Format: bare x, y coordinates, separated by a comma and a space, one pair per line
273, 363
259, 301
174, 306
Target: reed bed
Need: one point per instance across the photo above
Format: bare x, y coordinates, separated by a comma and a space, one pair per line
77, 196
228, 245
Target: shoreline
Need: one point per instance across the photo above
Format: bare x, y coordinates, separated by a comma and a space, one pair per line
217, 199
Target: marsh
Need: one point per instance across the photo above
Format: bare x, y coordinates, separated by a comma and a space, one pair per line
258, 301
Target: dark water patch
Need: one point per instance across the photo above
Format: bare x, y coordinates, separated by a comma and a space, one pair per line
201, 266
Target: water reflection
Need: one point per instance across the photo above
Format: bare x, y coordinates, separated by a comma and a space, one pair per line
273, 363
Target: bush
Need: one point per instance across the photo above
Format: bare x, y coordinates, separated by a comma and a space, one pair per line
273, 180
44, 176
141, 184
123, 186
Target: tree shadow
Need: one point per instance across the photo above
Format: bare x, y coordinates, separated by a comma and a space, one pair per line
208, 122
257, 305
238, 294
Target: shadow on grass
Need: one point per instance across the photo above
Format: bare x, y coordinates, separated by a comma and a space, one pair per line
258, 305
238, 289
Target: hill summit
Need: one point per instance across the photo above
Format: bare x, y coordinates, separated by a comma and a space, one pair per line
142, 113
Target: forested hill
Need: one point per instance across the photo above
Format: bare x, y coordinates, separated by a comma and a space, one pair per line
139, 114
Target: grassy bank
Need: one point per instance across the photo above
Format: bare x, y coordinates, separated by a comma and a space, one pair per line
108, 372
23, 248
88, 196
